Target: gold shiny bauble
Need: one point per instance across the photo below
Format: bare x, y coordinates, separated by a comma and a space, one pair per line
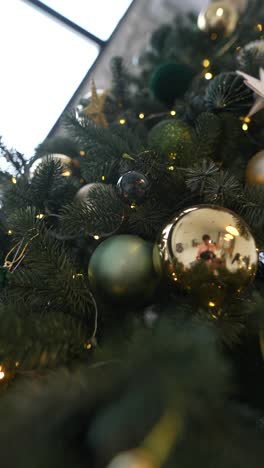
133, 459
65, 161
83, 193
255, 170
239, 5
219, 17
209, 251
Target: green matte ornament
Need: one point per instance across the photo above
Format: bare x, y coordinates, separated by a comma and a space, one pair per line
173, 138
170, 81
121, 269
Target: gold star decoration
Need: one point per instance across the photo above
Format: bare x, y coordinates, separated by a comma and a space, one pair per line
257, 85
95, 109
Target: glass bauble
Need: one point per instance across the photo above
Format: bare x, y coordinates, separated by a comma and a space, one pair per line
133, 187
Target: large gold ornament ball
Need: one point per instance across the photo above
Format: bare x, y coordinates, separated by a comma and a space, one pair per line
219, 17
66, 162
209, 251
255, 170
121, 269
239, 5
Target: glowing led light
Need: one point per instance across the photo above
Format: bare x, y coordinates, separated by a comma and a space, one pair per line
214, 36
17, 364
141, 116
88, 346
219, 12
103, 178
122, 121
247, 119
133, 206
171, 168
2, 375
259, 27
211, 304
245, 127
40, 216
173, 112
201, 22
232, 230
82, 153
66, 174
78, 275
9, 232
206, 63
208, 76
96, 237
14, 181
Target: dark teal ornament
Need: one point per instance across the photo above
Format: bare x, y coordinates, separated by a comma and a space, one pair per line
121, 269
170, 81
228, 93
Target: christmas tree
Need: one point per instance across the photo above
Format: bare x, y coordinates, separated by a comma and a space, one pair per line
133, 263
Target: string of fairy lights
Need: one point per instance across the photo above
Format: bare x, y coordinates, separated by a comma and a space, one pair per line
208, 74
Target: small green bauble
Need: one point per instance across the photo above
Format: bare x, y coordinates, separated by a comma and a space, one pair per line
173, 138
121, 269
170, 81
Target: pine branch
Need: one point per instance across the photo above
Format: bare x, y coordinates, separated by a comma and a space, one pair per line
222, 189
49, 188
13, 157
39, 341
101, 214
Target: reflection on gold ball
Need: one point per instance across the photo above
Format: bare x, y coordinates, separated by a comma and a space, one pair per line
65, 161
208, 251
255, 170
133, 459
219, 17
